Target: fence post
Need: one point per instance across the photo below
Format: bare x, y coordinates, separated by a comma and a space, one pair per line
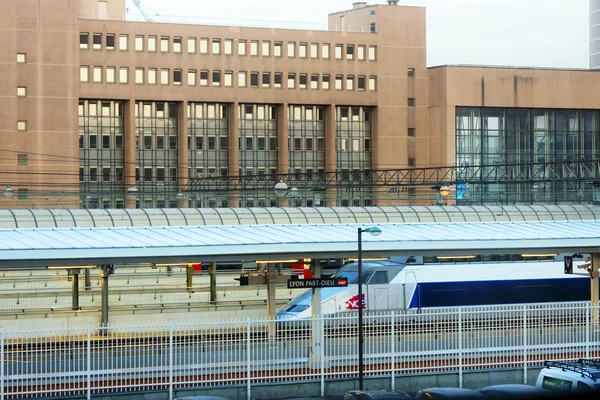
322, 353
525, 345
2, 363
89, 362
248, 371
460, 352
171, 360
393, 350
587, 330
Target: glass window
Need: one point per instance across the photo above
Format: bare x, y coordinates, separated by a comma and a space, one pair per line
123, 42
191, 45
291, 81
410, 72
216, 78
139, 75
241, 47
228, 47
277, 49
110, 74
203, 45
254, 47
339, 49
176, 77
350, 52
314, 50
339, 82
302, 50
266, 48
303, 81
361, 52
372, 83
177, 44
164, 76
325, 51
411, 102
192, 77
216, 46
123, 75
152, 76
204, 78
350, 82
164, 44
242, 79
84, 73
21, 126
110, 41
326, 79
361, 83
84, 39
21, 91
291, 49
152, 43
97, 38
314, 81
139, 43
97, 74
266, 79
372, 53
228, 79
254, 79
277, 79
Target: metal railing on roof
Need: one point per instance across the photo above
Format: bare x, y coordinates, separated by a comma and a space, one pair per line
245, 23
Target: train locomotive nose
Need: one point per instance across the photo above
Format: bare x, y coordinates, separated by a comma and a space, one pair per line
281, 316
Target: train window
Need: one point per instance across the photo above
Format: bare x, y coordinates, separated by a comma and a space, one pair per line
365, 277
380, 277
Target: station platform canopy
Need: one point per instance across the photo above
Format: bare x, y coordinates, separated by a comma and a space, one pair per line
88, 218
30, 248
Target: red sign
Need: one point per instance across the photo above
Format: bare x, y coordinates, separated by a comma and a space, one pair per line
352, 303
302, 268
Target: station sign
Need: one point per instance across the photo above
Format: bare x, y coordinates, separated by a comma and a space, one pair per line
316, 283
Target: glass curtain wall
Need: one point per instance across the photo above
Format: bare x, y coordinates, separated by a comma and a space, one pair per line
156, 153
353, 151
208, 144
101, 156
518, 137
306, 146
258, 150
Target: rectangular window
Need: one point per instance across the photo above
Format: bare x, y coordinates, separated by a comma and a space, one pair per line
372, 84
410, 72
303, 81
164, 76
110, 41
216, 46
350, 52
277, 79
361, 83
314, 81
84, 39
291, 49
120, 176
123, 42
249, 143
223, 145
373, 27
298, 144
93, 174
325, 49
106, 174
228, 47
176, 44
266, 48
314, 50
411, 132
81, 174
411, 102
147, 142
228, 79
148, 174
372, 53
152, 76
21, 58
199, 142
242, 79
412, 162
152, 43
203, 45
21, 91
350, 82
110, 74
241, 47
211, 146
339, 49
97, 41
361, 52
204, 78
277, 49
160, 142
191, 77
22, 126
291, 84
266, 79
164, 44
176, 77
139, 43
93, 141
139, 75
119, 142
338, 82
302, 50
254, 47
326, 79
22, 159
97, 75
84, 73
123, 75
216, 78
254, 79
191, 45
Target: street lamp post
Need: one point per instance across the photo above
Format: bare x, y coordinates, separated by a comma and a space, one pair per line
375, 231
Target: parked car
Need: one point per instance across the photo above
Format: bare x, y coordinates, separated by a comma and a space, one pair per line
440, 393
579, 376
376, 395
514, 391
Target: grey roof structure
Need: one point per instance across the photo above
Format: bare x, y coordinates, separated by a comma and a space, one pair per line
88, 218
82, 246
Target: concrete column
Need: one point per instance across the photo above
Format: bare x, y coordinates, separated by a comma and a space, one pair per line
182, 152
106, 271
212, 271
595, 287
233, 152
189, 274
130, 151
316, 338
75, 288
330, 153
282, 145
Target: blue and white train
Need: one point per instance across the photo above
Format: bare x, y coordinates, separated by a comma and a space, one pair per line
396, 284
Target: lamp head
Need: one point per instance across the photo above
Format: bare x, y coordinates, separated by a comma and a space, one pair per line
280, 188
8, 192
375, 231
444, 191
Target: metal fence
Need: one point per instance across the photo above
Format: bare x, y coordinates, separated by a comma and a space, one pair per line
93, 360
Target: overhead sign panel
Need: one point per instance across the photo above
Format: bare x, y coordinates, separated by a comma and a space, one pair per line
316, 283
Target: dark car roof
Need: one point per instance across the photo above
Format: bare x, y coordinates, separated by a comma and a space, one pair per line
513, 389
380, 394
456, 393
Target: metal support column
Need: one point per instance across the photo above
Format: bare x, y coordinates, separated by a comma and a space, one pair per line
75, 291
271, 299
212, 272
316, 338
595, 287
107, 270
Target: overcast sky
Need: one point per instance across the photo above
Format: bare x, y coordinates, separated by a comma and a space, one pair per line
534, 33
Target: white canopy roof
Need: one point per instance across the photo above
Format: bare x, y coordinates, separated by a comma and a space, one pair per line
80, 246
